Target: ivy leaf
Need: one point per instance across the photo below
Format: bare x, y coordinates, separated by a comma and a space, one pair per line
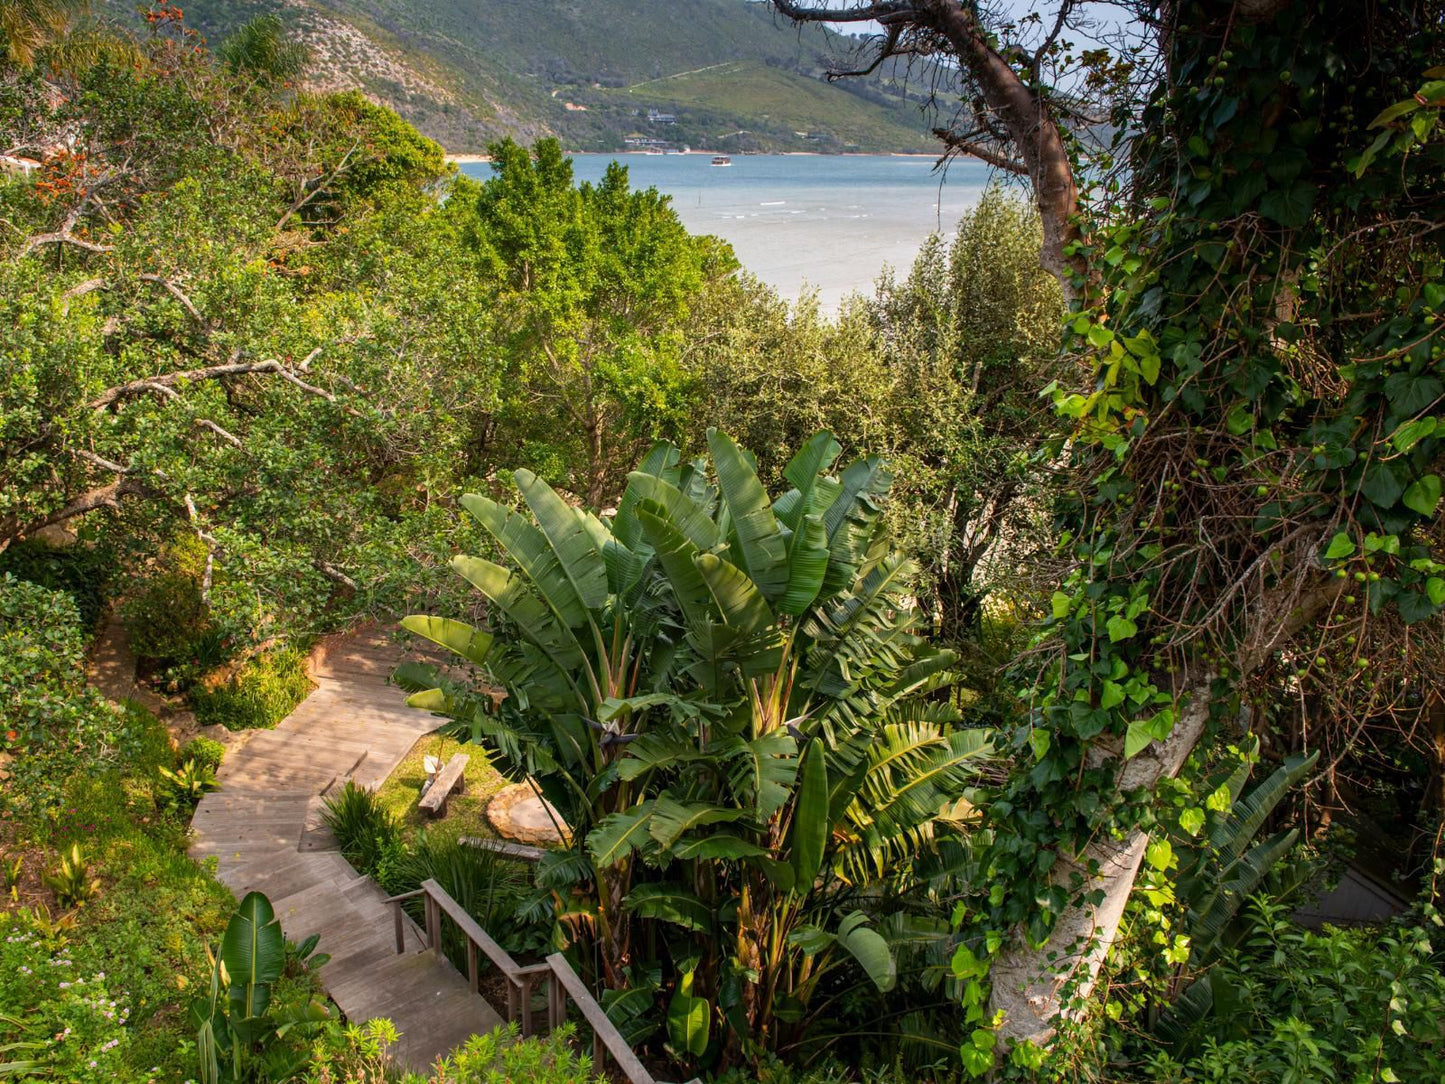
1192, 820
1040, 740
1411, 394
1290, 204
1340, 546
1060, 604
1435, 590
1113, 695
1136, 738
1411, 433
1380, 486
1121, 628
1423, 495
1159, 854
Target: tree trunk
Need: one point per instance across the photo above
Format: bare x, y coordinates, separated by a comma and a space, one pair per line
1036, 987
1029, 985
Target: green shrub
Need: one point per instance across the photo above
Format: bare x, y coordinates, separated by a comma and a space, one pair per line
179, 628
1294, 1004
205, 752
366, 831
55, 725
84, 572
499, 1057
259, 695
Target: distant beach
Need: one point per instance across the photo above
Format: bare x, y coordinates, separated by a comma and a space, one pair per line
804, 221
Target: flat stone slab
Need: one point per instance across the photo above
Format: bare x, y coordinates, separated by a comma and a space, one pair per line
517, 813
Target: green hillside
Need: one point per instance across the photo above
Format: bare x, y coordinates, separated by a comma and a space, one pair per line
469, 71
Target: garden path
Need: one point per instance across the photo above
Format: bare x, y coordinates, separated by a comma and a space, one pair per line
264, 829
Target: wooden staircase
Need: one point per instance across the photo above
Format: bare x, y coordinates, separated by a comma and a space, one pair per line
263, 828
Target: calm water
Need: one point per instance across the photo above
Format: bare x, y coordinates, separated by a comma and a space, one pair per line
825, 222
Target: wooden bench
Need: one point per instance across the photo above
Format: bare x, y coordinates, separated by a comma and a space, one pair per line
453, 777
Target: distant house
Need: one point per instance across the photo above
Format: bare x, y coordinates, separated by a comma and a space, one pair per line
654, 117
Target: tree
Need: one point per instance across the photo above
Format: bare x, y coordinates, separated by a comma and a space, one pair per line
261, 50
725, 698
1017, 110
596, 283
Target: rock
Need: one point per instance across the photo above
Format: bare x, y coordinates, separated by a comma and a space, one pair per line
517, 813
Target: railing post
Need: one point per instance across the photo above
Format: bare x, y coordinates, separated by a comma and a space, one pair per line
433, 923
525, 995
473, 976
599, 1051
400, 935
556, 1002
514, 1000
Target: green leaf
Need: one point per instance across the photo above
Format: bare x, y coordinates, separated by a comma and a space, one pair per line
1411, 433
809, 833
870, 950
738, 597
253, 950
1423, 495
761, 550
1192, 820
678, 509
1120, 628
471, 644
675, 553
1435, 590
529, 549
688, 1020
669, 903
1159, 853
1290, 204
576, 551
1341, 545
617, 835
721, 845
1060, 604
671, 819
1112, 696
807, 566
1136, 738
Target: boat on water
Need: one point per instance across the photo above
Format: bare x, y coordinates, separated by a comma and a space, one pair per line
721, 160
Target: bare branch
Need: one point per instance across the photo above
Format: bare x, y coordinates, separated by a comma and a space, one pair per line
227, 436
166, 381
100, 461
332, 572
992, 156
179, 294
316, 187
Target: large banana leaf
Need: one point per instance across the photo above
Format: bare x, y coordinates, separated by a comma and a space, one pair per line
470, 643
852, 519
659, 462
688, 1019
617, 835
253, 950
670, 902
761, 550
675, 552
680, 510
810, 828
805, 471
535, 621
573, 543
672, 819
529, 549
736, 594
807, 565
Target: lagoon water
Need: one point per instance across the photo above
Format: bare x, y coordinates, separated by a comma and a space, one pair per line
823, 222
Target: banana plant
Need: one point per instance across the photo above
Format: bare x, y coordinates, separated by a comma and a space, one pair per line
236, 1026
725, 696
1218, 874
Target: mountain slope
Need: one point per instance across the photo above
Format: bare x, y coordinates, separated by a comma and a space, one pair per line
728, 73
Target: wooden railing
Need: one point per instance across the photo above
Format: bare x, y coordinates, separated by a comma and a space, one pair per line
562, 981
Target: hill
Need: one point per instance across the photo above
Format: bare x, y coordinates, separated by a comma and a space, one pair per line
722, 74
